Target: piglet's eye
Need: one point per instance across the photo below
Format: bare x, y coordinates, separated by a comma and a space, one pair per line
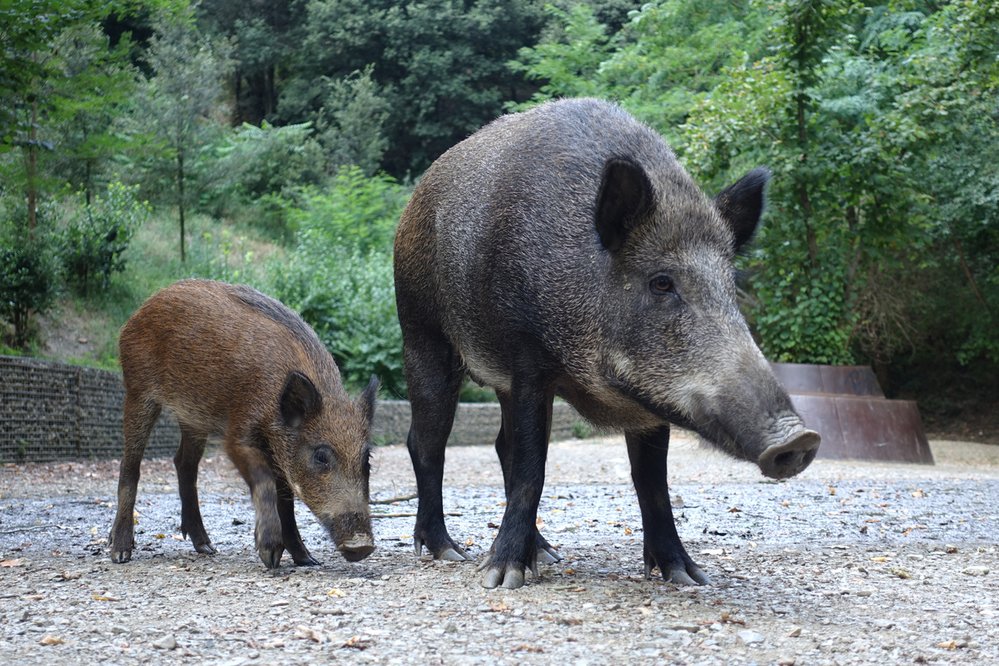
661, 285
322, 458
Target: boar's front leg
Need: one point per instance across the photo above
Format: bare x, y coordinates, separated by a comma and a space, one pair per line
647, 452
504, 448
289, 527
516, 545
434, 376
254, 467
192, 447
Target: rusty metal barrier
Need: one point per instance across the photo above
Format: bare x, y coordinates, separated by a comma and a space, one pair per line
846, 405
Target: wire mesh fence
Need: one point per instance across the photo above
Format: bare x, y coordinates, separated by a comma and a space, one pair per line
52, 411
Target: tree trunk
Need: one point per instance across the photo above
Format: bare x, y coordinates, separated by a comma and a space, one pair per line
180, 200
804, 200
33, 170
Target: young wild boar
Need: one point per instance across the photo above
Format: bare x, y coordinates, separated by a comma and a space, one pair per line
564, 251
229, 361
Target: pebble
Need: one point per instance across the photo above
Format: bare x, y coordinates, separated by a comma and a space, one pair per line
976, 571
166, 643
750, 637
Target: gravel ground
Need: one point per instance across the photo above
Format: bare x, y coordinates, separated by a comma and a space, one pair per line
850, 563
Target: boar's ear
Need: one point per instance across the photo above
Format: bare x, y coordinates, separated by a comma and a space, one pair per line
300, 401
367, 399
741, 204
625, 195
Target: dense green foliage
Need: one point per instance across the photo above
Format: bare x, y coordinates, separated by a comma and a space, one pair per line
94, 240
267, 128
339, 274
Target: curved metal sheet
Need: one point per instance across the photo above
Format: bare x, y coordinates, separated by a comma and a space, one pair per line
846, 406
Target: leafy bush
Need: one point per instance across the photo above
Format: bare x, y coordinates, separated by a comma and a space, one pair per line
254, 164
349, 299
96, 237
339, 275
28, 282
357, 212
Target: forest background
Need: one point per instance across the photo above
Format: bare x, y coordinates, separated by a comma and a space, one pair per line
276, 143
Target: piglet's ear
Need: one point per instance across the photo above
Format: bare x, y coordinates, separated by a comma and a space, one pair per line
300, 401
625, 196
367, 399
741, 204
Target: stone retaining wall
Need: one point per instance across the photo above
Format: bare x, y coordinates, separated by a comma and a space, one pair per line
52, 411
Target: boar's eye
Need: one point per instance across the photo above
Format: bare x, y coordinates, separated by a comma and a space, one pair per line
322, 459
661, 285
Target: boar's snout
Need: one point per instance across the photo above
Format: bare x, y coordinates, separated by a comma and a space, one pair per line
352, 535
794, 454
357, 547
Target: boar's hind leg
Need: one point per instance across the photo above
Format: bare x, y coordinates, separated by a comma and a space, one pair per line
647, 452
515, 547
192, 447
254, 467
434, 376
289, 527
546, 553
139, 418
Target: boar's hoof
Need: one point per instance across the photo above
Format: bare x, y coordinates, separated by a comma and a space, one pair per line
271, 557
205, 548
357, 547
784, 460
546, 554
450, 552
681, 574
121, 556
306, 560
509, 577
677, 569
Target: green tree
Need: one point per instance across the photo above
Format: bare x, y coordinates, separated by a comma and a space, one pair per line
95, 84
351, 123
439, 65
33, 84
182, 99
265, 35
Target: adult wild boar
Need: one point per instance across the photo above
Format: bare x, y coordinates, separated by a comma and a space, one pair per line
230, 361
564, 251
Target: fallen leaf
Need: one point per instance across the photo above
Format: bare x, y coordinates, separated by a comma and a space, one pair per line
901, 573
627, 531
948, 645
357, 643
7, 564
310, 634
524, 647
336, 592
49, 639
832, 490
104, 597
735, 509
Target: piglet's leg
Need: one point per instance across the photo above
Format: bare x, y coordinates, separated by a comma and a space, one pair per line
663, 548
192, 447
255, 469
289, 527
